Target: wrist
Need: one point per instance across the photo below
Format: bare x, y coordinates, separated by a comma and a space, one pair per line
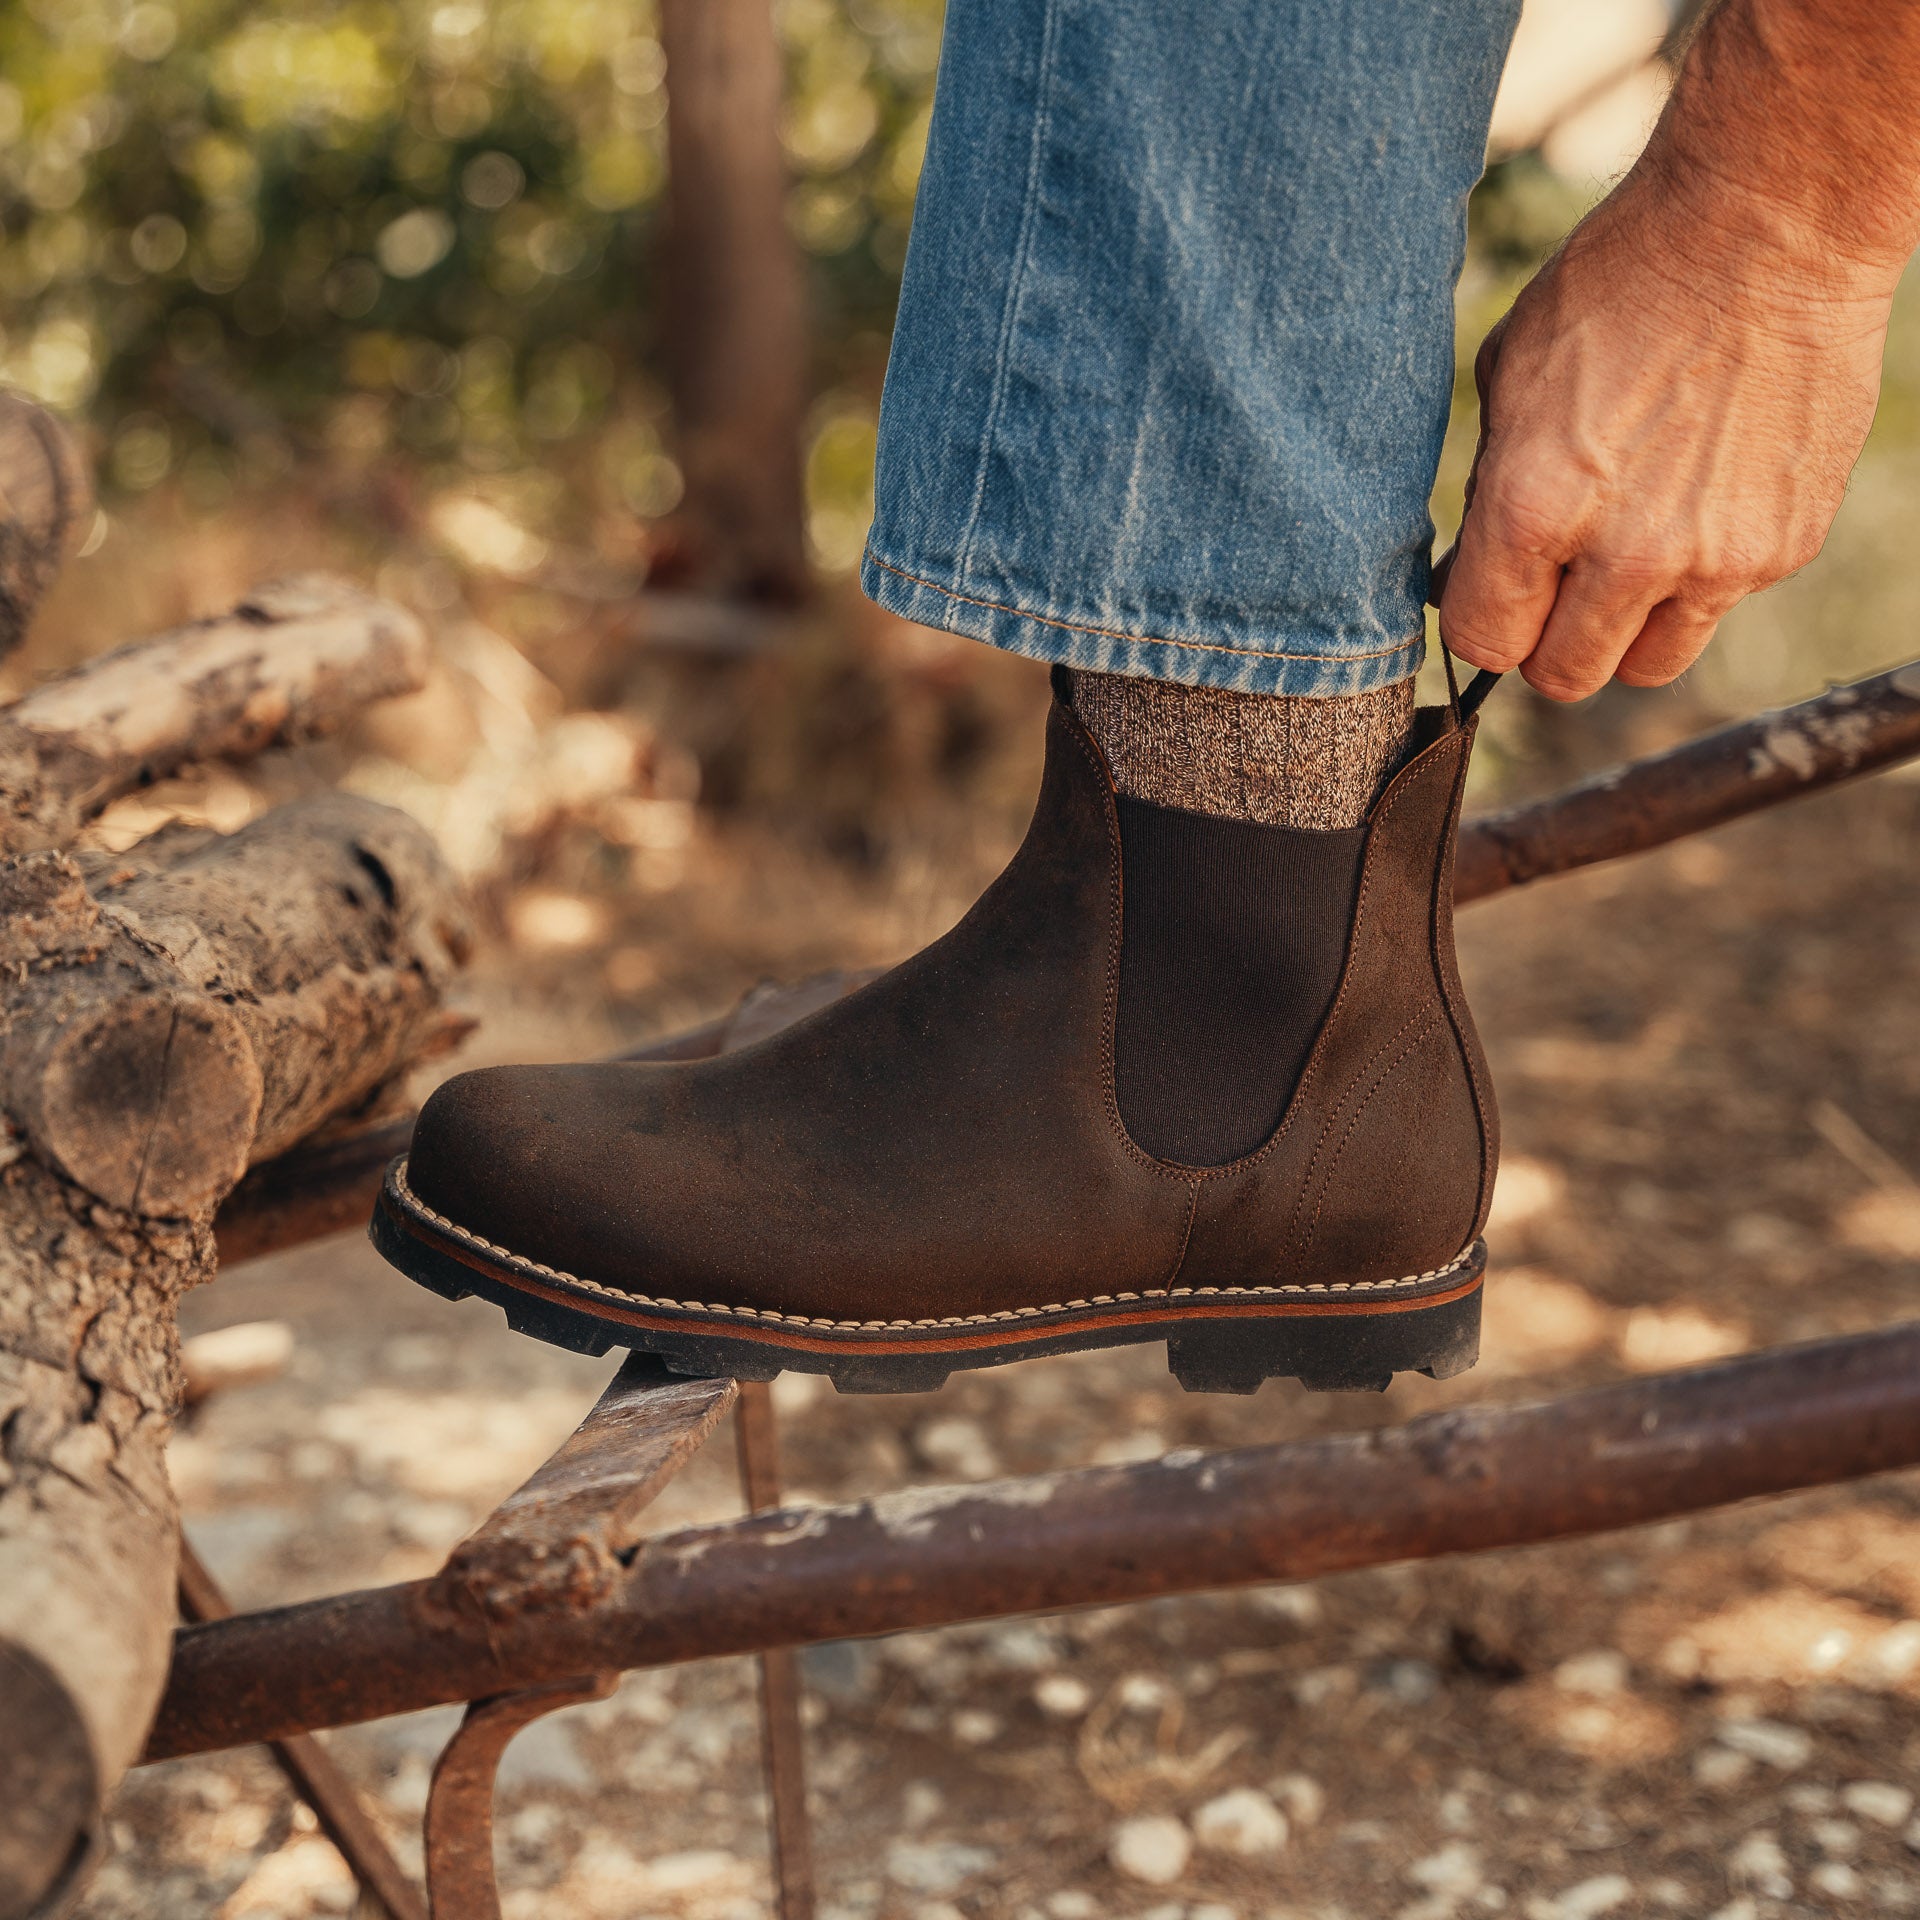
1718, 216
1782, 136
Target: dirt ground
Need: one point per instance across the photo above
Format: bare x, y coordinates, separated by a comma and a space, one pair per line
1710, 1072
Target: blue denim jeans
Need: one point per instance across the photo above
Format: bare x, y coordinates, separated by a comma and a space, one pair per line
1175, 344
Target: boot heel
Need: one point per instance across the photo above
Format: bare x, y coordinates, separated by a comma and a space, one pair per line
1330, 1353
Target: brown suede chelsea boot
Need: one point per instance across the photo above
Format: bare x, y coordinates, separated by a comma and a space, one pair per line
1013, 1144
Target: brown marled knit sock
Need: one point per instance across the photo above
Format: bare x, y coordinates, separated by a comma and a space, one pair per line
1276, 759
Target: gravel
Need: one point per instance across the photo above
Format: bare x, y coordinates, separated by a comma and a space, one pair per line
1153, 1848
1242, 1821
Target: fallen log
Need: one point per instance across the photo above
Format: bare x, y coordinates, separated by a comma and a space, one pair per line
46, 509
291, 661
168, 1025
163, 1021
1466, 1481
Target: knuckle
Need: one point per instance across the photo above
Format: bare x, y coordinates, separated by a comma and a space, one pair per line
1640, 570
1533, 507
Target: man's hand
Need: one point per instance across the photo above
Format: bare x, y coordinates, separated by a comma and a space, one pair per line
1669, 413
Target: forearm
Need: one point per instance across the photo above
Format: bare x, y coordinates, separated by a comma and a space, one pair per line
1799, 122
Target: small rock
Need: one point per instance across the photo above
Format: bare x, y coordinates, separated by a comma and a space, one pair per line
1598, 1674
1130, 1449
1895, 1655
1911, 1838
1024, 1646
1242, 1821
1064, 1695
1318, 1685
533, 1827
921, 1804
1837, 1878
1741, 1908
938, 1910
957, 1446
1452, 1872
1071, 1904
1143, 1692
1759, 1863
1412, 1682
1877, 1800
1302, 1797
1298, 1605
1770, 1741
1840, 1838
697, 1870
1153, 1847
845, 1671
975, 1727
935, 1866
1718, 1767
1213, 1910
1809, 1797
1589, 1898
794, 1393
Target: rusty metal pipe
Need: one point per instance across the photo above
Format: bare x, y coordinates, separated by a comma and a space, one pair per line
1462, 1481
1735, 770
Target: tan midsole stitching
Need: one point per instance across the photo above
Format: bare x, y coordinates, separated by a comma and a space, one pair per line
459, 1232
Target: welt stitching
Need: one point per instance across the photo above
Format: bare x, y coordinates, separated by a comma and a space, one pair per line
1118, 633
1346, 1139
398, 1180
1016, 280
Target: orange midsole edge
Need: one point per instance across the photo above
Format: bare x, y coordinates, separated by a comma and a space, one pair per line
1001, 1334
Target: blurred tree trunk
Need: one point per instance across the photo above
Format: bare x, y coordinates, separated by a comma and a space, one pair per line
735, 300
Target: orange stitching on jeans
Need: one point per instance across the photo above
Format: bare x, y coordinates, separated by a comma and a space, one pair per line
1114, 633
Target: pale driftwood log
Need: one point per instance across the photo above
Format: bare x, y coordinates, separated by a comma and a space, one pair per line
291, 661
167, 1019
46, 509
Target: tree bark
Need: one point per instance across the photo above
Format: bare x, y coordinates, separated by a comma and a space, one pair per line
165, 1020
735, 315
294, 660
46, 508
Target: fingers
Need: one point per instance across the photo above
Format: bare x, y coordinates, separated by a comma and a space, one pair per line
1598, 615
1674, 637
1498, 591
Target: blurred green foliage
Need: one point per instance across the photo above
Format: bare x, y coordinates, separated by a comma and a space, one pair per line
234, 230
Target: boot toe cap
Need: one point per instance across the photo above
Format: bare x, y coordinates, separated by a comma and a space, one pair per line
488, 1154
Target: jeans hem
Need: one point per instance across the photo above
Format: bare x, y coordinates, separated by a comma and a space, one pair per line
1310, 665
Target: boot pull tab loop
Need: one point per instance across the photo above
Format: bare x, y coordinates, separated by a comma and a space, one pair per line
1463, 706
1475, 697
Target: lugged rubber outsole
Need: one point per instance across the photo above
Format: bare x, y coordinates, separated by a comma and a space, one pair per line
1352, 1346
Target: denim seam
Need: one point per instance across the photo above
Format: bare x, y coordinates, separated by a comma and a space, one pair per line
1016, 279
1138, 639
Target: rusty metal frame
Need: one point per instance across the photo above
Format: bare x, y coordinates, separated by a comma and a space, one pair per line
560, 1581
